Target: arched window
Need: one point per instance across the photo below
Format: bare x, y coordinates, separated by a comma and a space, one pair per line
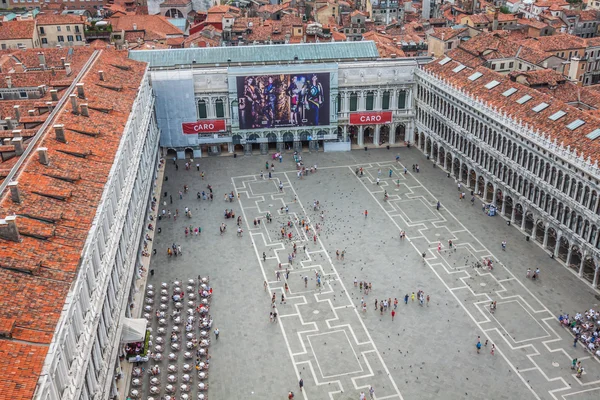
401, 100
353, 102
370, 103
219, 109
385, 100
202, 114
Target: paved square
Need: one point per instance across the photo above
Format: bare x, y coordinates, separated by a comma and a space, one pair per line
427, 352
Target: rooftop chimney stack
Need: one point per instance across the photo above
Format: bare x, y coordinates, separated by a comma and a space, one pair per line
16, 133
84, 110
495, 20
43, 155
18, 143
63, 61
42, 90
50, 107
9, 82
68, 69
9, 123
31, 113
59, 130
80, 91
54, 94
73, 98
20, 67
135, 27
101, 73
42, 58
17, 113
9, 230
14, 192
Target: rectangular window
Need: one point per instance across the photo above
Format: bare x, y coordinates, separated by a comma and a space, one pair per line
76, 28
385, 101
511, 64
68, 28
23, 95
42, 32
44, 40
401, 100
493, 67
58, 28
70, 38
501, 66
60, 38
78, 38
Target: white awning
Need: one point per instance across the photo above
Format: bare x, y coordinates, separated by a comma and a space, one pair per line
134, 330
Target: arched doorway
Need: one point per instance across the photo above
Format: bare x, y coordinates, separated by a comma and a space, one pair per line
305, 139
353, 134
518, 214
384, 135
529, 221
434, 152
540, 231
551, 242
575, 261
442, 153
499, 198
563, 249
472, 180
481, 187
508, 206
456, 169
464, 174
368, 135
171, 154
422, 141
288, 140
589, 269
428, 146
238, 147
189, 153
449, 162
272, 140
400, 134
253, 139
489, 193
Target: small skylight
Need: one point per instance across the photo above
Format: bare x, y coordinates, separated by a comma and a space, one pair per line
575, 124
492, 84
475, 76
557, 115
540, 107
459, 68
594, 135
509, 92
524, 99
445, 61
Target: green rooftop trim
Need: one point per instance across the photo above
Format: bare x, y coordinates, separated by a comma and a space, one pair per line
305, 52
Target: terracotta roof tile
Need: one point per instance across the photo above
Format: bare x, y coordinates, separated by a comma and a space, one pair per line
58, 203
17, 30
154, 27
60, 19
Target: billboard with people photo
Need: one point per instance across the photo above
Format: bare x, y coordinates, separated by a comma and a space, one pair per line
283, 100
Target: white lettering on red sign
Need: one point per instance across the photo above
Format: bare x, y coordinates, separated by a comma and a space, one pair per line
370, 118
203, 127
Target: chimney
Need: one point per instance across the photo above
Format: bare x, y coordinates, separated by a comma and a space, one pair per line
68, 69
8, 229
80, 91
20, 67
43, 155
49, 105
62, 61
9, 82
495, 21
135, 27
54, 94
14, 192
84, 110
17, 113
16, 133
18, 143
42, 59
101, 73
59, 130
42, 90
6, 141
9, 123
74, 108
31, 113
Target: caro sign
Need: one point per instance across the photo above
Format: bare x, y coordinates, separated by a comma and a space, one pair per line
203, 126
368, 118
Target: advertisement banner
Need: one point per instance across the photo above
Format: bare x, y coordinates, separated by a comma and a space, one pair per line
370, 118
203, 126
283, 100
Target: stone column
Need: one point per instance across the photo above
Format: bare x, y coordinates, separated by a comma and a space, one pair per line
230, 147
557, 245
583, 256
297, 145
545, 242
361, 101
280, 146
569, 255
524, 219
361, 139
345, 132
534, 230
503, 211
392, 139
596, 275
248, 149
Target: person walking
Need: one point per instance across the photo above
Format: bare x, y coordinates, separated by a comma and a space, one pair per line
216, 333
478, 346
366, 213
493, 349
390, 174
393, 315
406, 298
412, 297
371, 393
301, 384
428, 300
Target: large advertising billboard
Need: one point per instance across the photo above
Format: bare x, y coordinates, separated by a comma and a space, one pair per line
283, 100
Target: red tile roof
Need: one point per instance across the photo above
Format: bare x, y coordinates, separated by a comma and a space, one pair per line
17, 30
37, 272
154, 27
59, 19
556, 130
